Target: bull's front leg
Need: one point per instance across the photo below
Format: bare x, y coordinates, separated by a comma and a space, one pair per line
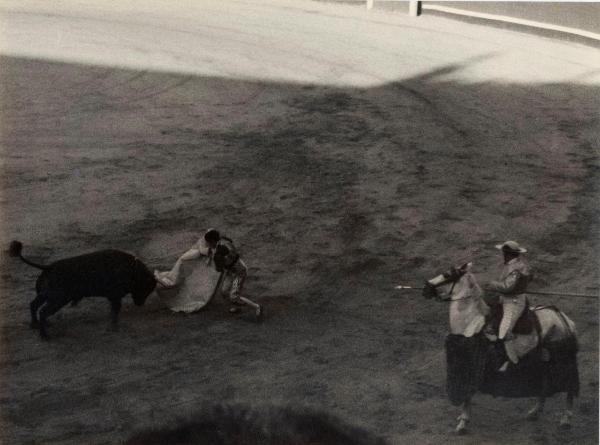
464, 418
115, 308
37, 302
51, 307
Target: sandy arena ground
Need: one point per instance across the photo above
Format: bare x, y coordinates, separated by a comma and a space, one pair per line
345, 151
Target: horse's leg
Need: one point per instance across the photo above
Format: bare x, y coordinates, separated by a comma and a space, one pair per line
464, 418
558, 327
565, 420
534, 413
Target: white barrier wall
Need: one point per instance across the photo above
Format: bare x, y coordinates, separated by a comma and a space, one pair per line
584, 16
410, 7
582, 19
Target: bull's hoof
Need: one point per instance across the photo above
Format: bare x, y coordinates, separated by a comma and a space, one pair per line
36, 324
260, 313
533, 415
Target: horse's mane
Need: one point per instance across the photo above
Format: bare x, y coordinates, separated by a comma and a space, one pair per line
466, 283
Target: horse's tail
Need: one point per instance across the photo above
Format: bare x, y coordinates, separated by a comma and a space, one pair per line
568, 340
562, 349
15, 249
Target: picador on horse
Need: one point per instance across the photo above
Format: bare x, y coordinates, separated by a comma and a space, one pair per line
499, 345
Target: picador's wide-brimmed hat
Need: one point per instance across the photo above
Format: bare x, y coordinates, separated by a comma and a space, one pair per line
511, 246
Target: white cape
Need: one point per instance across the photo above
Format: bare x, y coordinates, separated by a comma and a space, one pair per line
195, 286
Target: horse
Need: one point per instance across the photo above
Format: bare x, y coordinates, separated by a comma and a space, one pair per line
473, 354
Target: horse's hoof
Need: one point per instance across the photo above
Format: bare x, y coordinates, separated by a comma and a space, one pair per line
461, 430
565, 424
565, 420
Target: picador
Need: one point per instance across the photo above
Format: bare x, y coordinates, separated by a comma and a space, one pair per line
512, 321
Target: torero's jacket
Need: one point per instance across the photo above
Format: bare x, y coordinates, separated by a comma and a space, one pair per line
226, 255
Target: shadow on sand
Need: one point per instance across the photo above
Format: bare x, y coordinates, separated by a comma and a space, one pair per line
333, 194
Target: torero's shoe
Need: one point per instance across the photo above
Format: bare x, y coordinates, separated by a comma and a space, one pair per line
234, 310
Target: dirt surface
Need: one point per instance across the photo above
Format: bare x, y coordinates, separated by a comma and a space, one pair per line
345, 152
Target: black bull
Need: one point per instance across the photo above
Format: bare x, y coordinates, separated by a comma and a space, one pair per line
472, 366
107, 273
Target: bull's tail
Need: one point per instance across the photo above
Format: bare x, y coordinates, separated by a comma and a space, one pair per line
15, 249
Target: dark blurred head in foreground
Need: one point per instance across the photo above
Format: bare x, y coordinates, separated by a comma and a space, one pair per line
238, 425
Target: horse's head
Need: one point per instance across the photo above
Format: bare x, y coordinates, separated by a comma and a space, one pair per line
451, 276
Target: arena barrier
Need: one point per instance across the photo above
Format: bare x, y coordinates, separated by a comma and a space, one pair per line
415, 8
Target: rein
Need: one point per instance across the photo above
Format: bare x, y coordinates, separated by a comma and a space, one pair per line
456, 299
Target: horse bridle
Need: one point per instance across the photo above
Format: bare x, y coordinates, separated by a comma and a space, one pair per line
452, 288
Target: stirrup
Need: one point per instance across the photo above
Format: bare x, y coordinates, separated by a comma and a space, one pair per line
490, 336
545, 355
